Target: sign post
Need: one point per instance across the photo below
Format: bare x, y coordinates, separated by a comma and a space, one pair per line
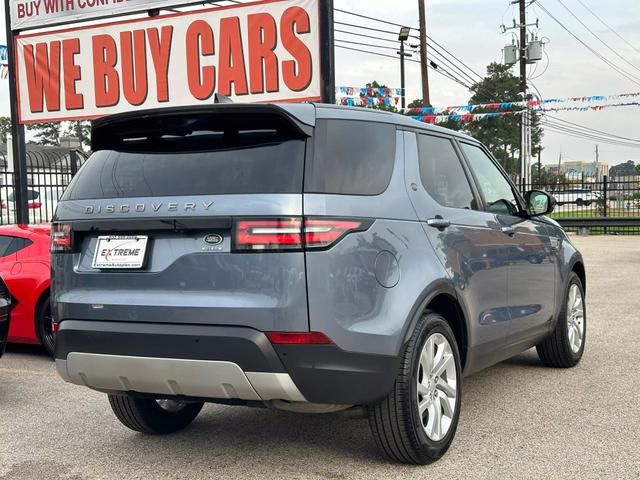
19, 150
327, 52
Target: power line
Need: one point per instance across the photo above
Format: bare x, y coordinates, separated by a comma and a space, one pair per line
436, 55
607, 25
384, 47
567, 130
597, 37
557, 119
366, 17
604, 59
437, 68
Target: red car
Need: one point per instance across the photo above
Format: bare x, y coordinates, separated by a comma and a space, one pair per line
24, 267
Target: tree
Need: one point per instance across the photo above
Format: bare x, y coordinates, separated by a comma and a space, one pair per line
417, 104
628, 169
502, 134
81, 129
5, 129
46, 133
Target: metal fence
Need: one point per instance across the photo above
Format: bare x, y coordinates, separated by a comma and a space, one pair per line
49, 171
597, 206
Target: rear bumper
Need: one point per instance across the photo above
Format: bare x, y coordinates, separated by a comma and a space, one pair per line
213, 362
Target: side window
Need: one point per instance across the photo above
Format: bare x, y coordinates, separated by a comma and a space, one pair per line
4, 244
9, 245
496, 189
442, 173
351, 158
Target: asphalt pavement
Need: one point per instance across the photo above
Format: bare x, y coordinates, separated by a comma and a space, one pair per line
519, 419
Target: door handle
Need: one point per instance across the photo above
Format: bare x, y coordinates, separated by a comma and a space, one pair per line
439, 223
508, 231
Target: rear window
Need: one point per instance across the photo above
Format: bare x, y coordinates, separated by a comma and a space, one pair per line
10, 245
274, 167
351, 158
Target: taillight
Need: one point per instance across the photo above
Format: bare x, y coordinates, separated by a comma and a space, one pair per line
268, 234
60, 238
295, 338
294, 233
34, 205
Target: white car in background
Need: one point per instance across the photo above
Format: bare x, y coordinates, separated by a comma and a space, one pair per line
41, 204
578, 196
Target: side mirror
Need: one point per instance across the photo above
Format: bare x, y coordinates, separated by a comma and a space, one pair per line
539, 203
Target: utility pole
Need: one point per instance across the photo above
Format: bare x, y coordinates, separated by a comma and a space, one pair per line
524, 147
426, 98
523, 47
529, 53
403, 36
402, 76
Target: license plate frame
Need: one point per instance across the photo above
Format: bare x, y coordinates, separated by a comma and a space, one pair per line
120, 252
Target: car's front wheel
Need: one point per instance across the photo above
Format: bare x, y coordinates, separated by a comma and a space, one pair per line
565, 346
417, 421
154, 417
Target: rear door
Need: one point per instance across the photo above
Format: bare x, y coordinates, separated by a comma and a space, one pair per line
183, 218
468, 241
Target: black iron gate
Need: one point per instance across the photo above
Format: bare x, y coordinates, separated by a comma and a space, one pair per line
49, 171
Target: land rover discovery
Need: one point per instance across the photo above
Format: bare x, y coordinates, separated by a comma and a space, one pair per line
311, 258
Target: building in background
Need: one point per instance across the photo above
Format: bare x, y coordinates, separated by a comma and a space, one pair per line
577, 170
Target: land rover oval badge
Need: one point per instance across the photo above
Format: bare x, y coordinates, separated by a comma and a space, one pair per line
213, 239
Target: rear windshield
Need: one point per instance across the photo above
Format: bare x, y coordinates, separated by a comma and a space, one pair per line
255, 169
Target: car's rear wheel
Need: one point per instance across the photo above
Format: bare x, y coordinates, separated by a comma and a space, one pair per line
43, 323
417, 421
154, 417
565, 346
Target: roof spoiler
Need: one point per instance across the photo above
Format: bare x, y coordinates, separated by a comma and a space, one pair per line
115, 132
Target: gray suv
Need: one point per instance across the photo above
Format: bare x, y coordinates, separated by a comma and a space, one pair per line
309, 258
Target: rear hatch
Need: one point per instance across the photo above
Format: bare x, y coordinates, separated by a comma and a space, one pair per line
182, 216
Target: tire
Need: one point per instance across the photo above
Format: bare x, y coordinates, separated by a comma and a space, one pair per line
396, 424
149, 416
560, 350
43, 323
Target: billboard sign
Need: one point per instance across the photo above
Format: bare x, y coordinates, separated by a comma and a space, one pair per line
258, 52
42, 13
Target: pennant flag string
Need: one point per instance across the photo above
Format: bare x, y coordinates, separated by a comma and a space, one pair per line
369, 101
368, 92
474, 117
469, 117
4, 71
3, 54
532, 104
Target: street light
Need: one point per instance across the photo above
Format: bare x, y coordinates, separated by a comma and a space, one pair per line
403, 37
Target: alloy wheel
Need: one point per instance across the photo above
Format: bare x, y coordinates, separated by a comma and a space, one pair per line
575, 318
437, 387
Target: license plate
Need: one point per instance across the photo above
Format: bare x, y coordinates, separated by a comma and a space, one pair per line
126, 252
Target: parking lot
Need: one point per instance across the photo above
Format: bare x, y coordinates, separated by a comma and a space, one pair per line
519, 419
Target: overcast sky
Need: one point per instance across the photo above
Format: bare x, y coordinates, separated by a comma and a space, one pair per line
470, 30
